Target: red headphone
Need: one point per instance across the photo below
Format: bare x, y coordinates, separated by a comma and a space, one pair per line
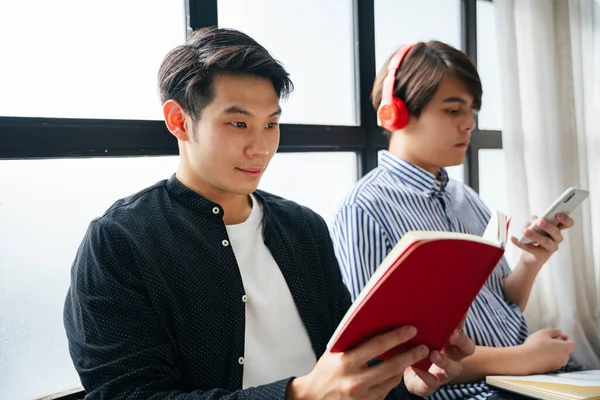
392, 112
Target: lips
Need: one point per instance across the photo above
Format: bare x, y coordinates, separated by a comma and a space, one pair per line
253, 170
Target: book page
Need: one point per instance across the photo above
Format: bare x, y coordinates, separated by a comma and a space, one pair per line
583, 385
556, 391
580, 378
593, 375
497, 229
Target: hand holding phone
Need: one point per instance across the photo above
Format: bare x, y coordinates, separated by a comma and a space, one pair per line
566, 203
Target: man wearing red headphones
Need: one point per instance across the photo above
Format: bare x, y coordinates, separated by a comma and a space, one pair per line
426, 96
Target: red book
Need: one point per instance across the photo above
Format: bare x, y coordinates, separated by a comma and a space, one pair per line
428, 280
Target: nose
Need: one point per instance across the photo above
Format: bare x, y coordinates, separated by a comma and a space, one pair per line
258, 145
469, 123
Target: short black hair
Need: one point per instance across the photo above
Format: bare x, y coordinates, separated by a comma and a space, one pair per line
187, 72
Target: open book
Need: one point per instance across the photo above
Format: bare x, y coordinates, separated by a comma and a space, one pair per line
584, 385
428, 280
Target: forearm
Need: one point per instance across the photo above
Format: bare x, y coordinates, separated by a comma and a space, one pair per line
149, 390
517, 285
492, 361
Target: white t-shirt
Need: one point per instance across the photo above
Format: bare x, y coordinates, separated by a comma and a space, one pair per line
277, 345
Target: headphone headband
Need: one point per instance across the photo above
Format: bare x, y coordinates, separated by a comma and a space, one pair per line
392, 113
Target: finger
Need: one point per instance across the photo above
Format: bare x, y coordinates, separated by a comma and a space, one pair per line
389, 368
430, 380
570, 345
381, 390
444, 367
515, 241
545, 242
380, 344
566, 222
462, 345
528, 247
553, 333
552, 230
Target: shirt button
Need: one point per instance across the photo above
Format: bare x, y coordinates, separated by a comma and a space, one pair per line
216, 210
241, 360
244, 298
225, 243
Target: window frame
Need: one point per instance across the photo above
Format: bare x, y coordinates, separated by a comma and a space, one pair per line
30, 138
480, 139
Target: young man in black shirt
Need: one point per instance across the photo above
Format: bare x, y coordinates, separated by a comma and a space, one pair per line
203, 287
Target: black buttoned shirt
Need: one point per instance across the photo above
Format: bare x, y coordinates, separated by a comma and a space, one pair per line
155, 307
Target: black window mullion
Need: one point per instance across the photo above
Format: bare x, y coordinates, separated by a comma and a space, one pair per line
201, 13
469, 46
374, 139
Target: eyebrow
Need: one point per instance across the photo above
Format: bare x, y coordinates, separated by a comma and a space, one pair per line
240, 110
455, 99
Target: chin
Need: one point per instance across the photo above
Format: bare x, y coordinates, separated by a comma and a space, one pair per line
455, 162
245, 189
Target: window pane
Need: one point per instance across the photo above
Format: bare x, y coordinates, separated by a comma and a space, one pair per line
314, 40
492, 179
45, 208
399, 22
319, 181
79, 59
493, 191
490, 116
457, 173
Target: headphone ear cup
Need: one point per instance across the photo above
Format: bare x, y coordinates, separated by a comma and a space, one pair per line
401, 114
388, 115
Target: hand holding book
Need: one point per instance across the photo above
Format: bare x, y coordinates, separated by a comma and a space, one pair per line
446, 365
344, 374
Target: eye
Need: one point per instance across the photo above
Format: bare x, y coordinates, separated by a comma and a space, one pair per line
240, 125
272, 125
453, 111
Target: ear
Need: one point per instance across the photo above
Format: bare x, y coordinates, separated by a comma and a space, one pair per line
175, 119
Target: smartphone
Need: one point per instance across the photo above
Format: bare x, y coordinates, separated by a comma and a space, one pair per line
566, 203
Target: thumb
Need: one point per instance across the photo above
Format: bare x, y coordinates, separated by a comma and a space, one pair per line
515, 241
554, 333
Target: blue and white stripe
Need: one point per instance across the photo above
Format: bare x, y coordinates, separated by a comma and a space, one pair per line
398, 197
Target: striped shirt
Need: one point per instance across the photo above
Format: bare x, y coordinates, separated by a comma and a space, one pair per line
398, 197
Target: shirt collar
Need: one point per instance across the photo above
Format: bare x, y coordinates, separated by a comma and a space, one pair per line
191, 199
414, 177
197, 202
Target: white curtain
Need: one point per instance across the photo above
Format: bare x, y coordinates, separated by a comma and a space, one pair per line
549, 55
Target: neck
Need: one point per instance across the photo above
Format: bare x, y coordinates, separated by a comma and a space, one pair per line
401, 150
236, 207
